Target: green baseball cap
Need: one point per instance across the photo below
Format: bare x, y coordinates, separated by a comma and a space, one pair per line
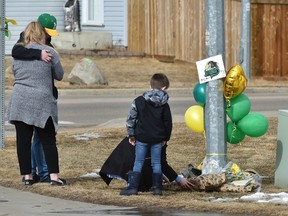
49, 23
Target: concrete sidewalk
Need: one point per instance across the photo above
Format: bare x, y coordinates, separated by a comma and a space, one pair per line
22, 203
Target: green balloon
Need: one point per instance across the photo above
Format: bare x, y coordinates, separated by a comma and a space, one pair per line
234, 136
239, 107
253, 125
199, 93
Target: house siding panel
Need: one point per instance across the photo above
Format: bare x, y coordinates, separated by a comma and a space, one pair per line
24, 11
114, 21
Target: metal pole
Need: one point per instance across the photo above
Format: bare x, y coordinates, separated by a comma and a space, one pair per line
2, 75
214, 114
244, 51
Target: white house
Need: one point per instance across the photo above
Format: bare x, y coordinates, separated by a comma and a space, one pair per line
96, 16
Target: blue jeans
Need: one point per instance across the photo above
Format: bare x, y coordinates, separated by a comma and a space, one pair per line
38, 162
140, 155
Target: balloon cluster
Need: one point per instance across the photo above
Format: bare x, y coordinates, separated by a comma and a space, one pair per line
242, 122
238, 106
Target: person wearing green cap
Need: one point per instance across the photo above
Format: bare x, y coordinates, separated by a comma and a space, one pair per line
49, 23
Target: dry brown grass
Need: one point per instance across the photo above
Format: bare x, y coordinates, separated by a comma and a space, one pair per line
134, 72
80, 157
130, 72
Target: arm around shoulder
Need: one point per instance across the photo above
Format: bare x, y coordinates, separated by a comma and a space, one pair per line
21, 52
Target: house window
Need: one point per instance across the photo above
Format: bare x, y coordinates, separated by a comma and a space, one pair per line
93, 12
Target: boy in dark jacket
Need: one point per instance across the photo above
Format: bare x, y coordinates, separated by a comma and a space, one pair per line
149, 127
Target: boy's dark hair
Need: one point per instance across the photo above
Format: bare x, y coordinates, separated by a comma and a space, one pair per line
159, 80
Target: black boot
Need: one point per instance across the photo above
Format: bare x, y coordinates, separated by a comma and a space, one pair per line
133, 183
157, 184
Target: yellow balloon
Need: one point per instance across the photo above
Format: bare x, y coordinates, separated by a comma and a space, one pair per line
194, 118
235, 82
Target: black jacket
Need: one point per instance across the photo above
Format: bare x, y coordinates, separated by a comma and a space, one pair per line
121, 161
149, 119
21, 52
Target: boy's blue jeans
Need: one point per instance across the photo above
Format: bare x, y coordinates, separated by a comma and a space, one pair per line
38, 161
140, 155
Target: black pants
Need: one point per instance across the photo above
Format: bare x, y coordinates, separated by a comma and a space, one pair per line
47, 136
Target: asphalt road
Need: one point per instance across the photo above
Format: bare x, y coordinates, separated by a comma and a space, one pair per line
89, 109
98, 110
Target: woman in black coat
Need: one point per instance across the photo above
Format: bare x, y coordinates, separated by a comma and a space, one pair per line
121, 161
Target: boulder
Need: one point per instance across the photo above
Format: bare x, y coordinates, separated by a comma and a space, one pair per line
86, 72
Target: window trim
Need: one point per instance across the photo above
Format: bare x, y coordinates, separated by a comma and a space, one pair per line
99, 19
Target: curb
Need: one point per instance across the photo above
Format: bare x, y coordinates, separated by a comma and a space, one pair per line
134, 92
171, 91
119, 92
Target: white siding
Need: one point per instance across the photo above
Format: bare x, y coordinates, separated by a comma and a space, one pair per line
115, 21
25, 11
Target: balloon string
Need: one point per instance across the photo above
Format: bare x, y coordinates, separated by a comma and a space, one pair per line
232, 133
228, 103
204, 134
